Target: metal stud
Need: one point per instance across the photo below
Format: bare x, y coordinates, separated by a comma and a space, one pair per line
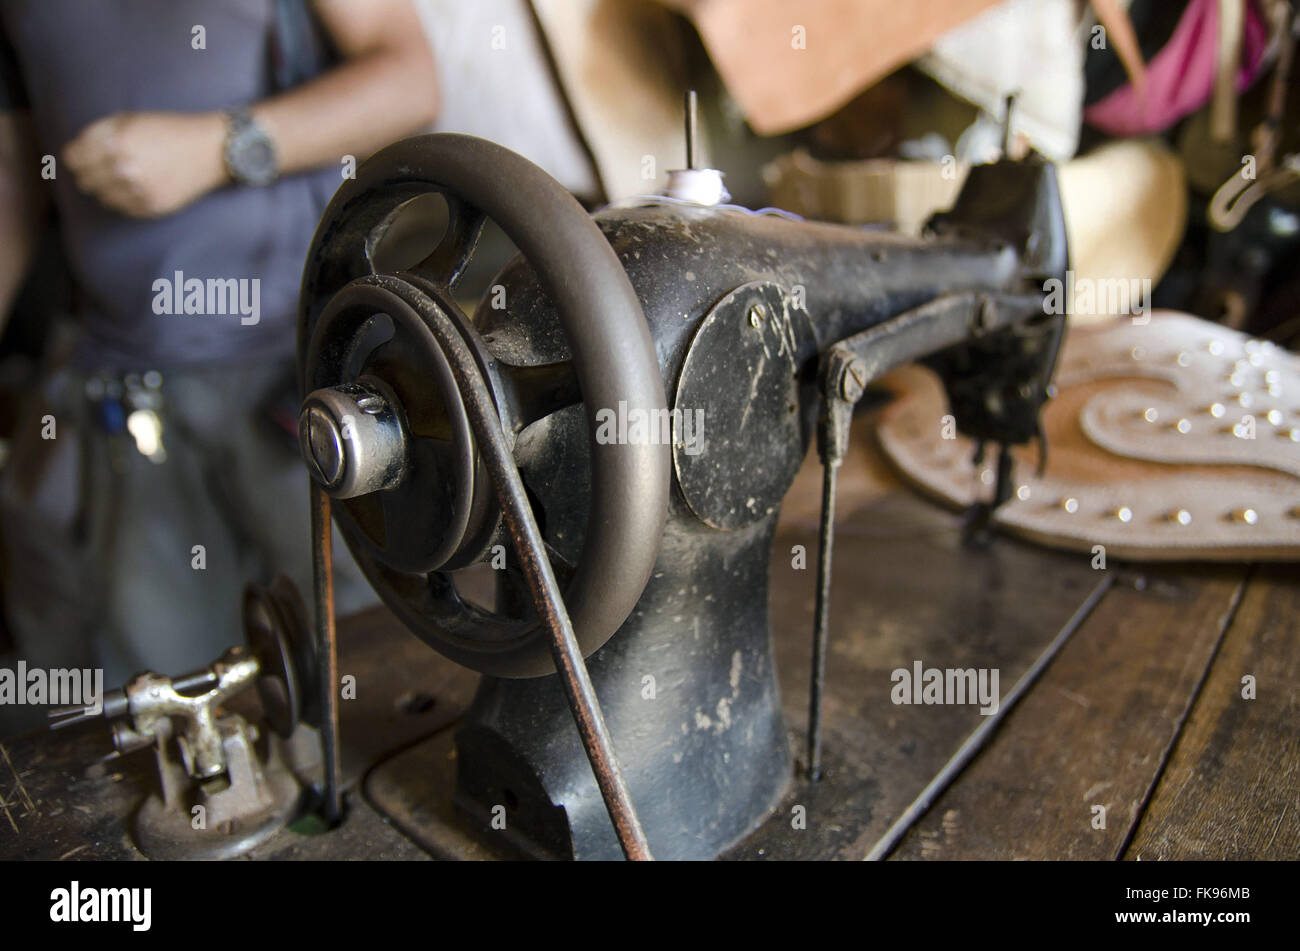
1216, 410
1180, 517
1150, 414
1247, 516
1274, 416
1184, 359
1215, 347
1070, 505
1023, 493
1123, 513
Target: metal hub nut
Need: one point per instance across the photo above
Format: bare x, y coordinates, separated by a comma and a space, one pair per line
352, 440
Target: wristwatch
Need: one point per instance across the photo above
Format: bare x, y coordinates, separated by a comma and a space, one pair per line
249, 152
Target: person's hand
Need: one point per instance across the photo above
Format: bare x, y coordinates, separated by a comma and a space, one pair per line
149, 164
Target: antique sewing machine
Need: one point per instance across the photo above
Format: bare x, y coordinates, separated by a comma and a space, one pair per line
613, 431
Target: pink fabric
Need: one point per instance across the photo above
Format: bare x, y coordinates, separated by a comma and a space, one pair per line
1180, 78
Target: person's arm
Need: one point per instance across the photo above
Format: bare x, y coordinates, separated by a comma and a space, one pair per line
148, 164
21, 204
386, 88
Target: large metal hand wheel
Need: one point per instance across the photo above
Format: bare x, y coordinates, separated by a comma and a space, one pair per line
385, 427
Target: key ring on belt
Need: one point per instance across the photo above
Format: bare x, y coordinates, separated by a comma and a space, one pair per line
132, 403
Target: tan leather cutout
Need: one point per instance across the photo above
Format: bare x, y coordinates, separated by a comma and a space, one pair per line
1150, 445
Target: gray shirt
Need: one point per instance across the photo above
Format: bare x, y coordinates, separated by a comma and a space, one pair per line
72, 62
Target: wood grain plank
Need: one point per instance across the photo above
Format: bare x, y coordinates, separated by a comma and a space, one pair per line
1231, 789
1093, 732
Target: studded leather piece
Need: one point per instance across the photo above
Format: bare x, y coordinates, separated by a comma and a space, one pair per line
1169, 439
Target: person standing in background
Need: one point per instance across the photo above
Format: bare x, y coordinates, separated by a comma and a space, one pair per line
188, 149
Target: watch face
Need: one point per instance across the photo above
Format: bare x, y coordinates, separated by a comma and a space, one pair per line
251, 157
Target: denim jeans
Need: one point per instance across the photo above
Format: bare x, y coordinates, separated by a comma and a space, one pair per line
115, 560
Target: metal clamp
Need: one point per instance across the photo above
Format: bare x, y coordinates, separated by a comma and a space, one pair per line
152, 699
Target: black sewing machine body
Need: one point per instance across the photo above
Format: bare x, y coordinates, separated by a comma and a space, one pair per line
741, 306
764, 329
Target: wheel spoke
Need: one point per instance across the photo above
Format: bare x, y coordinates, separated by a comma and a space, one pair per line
446, 262
538, 391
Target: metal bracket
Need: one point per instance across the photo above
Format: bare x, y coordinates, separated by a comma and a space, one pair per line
848, 367
221, 797
222, 816
152, 700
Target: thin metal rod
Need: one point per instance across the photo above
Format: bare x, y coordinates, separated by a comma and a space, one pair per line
545, 589
527, 538
975, 742
114, 703
1008, 108
327, 653
821, 620
692, 129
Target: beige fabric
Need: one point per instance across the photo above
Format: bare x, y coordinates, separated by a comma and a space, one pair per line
1125, 210
1029, 47
621, 65
904, 193
1109, 457
495, 82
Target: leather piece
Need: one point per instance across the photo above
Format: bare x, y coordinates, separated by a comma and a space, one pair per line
1110, 459
788, 65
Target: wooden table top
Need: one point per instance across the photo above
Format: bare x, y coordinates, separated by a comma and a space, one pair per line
1140, 717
